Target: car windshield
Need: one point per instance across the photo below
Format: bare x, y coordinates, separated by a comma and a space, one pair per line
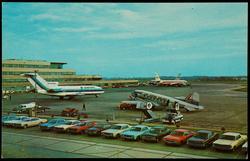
177, 133
118, 127
70, 123
228, 137
52, 121
135, 129
27, 119
202, 135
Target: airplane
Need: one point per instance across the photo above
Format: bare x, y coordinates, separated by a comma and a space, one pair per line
153, 100
177, 82
53, 89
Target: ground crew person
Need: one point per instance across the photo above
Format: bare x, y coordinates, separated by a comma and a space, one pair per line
83, 107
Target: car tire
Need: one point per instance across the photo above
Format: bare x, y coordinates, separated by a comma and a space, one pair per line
118, 136
25, 126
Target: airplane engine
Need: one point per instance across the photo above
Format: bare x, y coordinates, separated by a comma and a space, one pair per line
149, 105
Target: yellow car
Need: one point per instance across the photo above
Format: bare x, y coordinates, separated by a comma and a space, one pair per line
230, 141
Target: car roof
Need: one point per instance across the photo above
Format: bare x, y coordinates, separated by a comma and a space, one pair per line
140, 126
181, 130
158, 127
232, 133
121, 124
72, 120
204, 131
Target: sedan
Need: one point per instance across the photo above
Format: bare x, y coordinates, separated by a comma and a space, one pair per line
230, 141
135, 132
51, 124
68, 123
29, 122
115, 130
81, 127
97, 129
178, 137
156, 133
202, 139
10, 123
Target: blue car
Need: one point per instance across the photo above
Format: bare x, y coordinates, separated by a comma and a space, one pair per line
135, 132
8, 118
49, 125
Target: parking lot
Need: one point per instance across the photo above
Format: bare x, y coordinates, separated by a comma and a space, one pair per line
223, 108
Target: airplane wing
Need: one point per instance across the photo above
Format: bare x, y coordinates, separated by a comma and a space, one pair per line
155, 96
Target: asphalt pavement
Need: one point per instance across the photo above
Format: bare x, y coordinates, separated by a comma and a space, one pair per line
16, 145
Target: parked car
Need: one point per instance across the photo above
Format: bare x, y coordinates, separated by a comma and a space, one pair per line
156, 133
51, 124
178, 137
8, 118
202, 139
81, 127
229, 141
10, 123
135, 132
115, 130
244, 148
29, 122
67, 124
97, 129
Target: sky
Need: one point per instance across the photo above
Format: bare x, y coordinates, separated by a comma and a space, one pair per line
130, 39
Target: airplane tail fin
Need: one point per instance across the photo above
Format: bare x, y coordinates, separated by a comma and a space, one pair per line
178, 76
194, 97
37, 82
157, 77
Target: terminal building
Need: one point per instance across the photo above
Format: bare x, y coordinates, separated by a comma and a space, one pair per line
51, 72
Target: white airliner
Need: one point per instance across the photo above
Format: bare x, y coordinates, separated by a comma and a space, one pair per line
52, 88
177, 82
190, 103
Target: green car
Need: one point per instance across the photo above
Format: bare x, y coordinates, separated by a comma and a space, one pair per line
156, 133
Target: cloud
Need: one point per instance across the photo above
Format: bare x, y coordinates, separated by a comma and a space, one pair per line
82, 29
45, 16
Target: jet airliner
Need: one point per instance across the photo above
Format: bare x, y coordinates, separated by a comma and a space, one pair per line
53, 89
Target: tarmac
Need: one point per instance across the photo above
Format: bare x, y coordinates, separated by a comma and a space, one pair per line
31, 146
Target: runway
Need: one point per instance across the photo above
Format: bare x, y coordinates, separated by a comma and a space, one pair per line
16, 145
